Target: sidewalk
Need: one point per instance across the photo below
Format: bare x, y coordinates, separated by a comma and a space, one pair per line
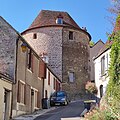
33, 115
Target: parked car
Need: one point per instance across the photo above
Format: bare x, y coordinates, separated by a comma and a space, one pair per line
59, 98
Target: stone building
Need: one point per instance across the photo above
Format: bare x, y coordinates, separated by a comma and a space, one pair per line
7, 67
23, 75
57, 38
5, 97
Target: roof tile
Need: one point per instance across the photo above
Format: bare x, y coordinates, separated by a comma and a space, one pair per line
47, 18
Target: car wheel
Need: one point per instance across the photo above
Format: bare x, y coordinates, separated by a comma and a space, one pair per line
52, 105
66, 103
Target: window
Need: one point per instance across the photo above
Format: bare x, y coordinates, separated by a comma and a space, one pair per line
46, 94
54, 84
59, 20
48, 78
71, 77
70, 35
30, 59
21, 92
107, 61
34, 36
36, 99
102, 65
60, 94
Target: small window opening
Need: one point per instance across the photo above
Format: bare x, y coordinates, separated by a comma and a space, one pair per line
71, 76
34, 36
70, 35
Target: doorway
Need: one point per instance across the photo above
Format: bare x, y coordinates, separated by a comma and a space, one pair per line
32, 100
6, 109
101, 91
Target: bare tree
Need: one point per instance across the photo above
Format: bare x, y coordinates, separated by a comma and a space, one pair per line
115, 8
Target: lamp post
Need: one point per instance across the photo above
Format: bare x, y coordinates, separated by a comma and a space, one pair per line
24, 47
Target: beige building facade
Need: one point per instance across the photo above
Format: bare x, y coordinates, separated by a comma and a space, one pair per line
27, 95
51, 84
6, 97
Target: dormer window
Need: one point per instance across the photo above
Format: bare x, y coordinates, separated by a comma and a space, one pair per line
44, 57
59, 20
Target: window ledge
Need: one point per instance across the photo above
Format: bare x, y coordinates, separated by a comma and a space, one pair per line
103, 75
29, 70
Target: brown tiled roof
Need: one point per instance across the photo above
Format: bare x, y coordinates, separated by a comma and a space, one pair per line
48, 18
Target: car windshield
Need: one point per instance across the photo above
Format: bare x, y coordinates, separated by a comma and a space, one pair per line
60, 94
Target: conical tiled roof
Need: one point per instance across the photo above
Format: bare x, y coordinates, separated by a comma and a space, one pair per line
48, 18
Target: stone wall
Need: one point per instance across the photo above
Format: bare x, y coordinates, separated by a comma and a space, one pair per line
75, 59
64, 55
49, 40
8, 39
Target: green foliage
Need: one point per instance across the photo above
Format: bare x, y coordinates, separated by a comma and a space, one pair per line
102, 115
113, 92
91, 87
114, 69
91, 43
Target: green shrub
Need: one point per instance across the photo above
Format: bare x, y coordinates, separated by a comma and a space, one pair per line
91, 87
102, 115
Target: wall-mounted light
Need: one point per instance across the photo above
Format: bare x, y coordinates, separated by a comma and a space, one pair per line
24, 47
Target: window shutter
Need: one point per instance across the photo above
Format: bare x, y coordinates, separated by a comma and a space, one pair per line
38, 99
48, 78
54, 83
59, 86
42, 69
18, 92
32, 59
25, 86
29, 59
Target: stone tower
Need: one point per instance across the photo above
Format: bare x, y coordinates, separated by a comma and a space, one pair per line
63, 45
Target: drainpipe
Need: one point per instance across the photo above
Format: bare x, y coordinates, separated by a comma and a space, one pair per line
15, 77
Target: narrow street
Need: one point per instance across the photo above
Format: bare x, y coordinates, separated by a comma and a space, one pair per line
74, 109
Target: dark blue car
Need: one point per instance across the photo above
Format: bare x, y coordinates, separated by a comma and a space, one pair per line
59, 98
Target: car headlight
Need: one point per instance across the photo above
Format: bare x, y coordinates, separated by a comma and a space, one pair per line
52, 98
63, 99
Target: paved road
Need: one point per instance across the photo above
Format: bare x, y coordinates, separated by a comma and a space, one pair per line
74, 109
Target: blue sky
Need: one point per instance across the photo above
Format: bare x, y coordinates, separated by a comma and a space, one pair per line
87, 13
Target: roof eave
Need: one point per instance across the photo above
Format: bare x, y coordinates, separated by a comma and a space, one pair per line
58, 26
